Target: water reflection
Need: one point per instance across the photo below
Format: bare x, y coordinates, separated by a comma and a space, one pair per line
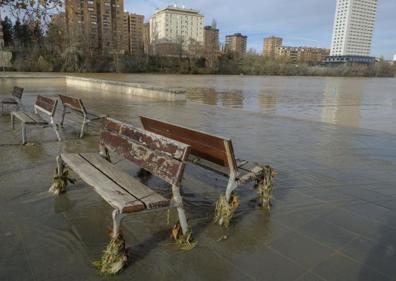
267, 101
203, 95
233, 99
342, 100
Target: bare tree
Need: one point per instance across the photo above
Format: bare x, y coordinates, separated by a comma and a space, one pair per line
29, 10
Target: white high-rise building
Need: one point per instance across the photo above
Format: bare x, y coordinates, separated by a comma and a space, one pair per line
353, 27
175, 24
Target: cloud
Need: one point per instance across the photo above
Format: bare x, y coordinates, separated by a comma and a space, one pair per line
300, 23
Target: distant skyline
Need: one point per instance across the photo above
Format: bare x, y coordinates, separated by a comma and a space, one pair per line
299, 23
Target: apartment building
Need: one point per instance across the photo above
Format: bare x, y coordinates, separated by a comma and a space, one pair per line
353, 27
82, 20
236, 43
99, 22
307, 55
177, 25
211, 39
146, 39
136, 34
270, 45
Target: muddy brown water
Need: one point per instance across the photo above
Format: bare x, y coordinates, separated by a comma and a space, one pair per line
332, 141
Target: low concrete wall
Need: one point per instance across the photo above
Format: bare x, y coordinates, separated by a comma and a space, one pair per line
125, 87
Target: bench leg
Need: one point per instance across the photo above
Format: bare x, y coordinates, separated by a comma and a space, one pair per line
55, 127
83, 128
117, 218
227, 203
231, 186
63, 117
114, 257
23, 133
264, 187
180, 209
181, 232
61, 178
12, 121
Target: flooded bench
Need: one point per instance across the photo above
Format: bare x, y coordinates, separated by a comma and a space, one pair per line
76, 105
14, 100
216, 154
161, 156
43, 105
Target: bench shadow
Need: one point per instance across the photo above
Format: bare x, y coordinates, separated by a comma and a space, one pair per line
196, 205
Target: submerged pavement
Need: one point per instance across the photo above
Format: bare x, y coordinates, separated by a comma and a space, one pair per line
333, 214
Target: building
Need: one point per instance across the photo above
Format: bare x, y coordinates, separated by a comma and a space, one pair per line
270, 46
308, 55
394, 59
82, 21
125, 33
146, 39
211, 39
353, 28
175, 25
110, 25
136, 34
236, 43
99, 22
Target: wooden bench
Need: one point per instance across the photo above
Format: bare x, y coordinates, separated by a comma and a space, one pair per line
216, 154
15, 99
159, 155
44, 105
76, 105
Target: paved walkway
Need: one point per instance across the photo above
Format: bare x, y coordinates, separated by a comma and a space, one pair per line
333, 215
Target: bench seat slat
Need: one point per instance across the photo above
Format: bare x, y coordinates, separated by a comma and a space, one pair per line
30, 118
146, 195
110, 191
9, 101
36, 117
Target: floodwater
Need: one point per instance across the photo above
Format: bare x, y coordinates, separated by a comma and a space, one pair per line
334, 206
351, 102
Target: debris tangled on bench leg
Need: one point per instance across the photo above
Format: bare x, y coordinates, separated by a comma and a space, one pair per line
61, 178
181, 233
225, 209
264, 187
114, 257
183, 241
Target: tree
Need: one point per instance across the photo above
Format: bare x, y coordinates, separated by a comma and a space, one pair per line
7, 32
28, 10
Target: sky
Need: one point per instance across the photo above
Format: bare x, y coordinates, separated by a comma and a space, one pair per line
299, 23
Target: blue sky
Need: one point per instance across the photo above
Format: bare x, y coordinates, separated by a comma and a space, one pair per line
300, 23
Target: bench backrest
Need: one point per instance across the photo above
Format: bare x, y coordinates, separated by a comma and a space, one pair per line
73, 103
17, 92
212, 148
161, 156
46, 105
